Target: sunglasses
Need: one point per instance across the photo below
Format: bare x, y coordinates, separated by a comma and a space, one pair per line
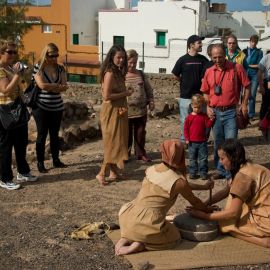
52, 55
10, 52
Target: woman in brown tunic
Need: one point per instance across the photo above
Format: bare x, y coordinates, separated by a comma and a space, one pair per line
143, 221
113, 114
247, 212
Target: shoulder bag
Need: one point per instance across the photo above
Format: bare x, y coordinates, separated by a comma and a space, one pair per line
30, 95
14, 114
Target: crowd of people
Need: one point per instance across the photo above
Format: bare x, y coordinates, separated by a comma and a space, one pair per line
211, 94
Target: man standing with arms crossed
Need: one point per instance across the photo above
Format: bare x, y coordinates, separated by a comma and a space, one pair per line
188, 71
221, 85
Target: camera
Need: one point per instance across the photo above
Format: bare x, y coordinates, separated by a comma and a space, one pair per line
218, 90
22, 66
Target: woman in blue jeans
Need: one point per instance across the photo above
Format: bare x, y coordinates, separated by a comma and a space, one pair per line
51, 79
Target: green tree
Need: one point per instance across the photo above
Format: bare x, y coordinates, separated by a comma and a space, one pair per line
13, 22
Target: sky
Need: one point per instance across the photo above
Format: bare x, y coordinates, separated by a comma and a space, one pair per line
232, 5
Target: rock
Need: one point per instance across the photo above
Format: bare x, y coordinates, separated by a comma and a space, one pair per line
143, 265
196, 229
114, 226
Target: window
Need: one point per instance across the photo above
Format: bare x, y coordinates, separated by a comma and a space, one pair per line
46, 28
75, 39
79, 78
161, 38
162, 70
119, 40
224, 32
141, 64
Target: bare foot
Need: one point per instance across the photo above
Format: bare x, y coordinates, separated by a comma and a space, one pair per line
170, 217
120, 243
132, 248
101, 179
116, 176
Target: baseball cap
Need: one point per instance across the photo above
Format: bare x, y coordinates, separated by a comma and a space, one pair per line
193, 39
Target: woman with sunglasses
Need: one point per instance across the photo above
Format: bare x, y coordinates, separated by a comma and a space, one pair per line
52, 80
10, 77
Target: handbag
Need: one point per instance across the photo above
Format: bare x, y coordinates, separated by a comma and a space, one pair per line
14, 114
242, 120
30, 95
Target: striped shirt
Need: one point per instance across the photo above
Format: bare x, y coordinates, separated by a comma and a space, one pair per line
47, 100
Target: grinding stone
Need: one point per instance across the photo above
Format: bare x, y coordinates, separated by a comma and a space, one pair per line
196, 229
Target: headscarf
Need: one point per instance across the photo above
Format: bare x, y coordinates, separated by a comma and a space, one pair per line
173, 154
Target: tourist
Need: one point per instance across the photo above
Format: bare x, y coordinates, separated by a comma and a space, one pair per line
188, 70
222, 94
51, 78
253, 57
196, 130
10, 77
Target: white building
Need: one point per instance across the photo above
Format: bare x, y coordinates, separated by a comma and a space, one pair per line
84, 17
159, 30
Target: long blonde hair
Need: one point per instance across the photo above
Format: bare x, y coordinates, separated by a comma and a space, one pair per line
49, 48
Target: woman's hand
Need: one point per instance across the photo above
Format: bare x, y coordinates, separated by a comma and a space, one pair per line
17, 68
209, 184
151, 105
129, 91
196, 213
62, 87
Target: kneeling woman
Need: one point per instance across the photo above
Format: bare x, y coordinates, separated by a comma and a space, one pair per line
143, 221
247, 212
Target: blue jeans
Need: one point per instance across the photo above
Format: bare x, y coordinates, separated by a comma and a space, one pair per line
198, 158
253, 91
183, 108
225, 127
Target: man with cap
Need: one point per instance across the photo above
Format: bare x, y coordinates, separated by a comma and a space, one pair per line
188, 71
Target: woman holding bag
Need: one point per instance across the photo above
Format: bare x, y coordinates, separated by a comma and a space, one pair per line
9, 92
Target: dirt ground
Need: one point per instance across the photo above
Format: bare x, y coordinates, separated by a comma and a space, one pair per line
36, 221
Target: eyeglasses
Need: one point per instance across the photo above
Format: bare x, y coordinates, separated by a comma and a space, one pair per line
52, 55
10, 52
231, 42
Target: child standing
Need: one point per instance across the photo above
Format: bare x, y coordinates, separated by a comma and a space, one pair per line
196, 128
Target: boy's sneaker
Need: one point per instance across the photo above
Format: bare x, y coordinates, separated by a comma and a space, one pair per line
9, 185
27, 177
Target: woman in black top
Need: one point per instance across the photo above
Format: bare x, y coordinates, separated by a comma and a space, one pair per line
52, 80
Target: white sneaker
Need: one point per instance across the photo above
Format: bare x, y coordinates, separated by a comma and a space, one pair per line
9, 185
27, 177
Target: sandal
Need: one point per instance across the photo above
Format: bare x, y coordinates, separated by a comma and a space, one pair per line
101, 179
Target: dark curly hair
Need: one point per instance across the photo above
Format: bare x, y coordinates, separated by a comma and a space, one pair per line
108, 64
235, 152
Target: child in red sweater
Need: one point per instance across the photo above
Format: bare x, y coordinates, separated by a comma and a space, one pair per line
196, 128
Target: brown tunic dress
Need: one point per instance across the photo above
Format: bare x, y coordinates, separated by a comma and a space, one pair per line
143, 219
252, 185
114, 126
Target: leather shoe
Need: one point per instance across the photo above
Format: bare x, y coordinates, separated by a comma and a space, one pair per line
58, 164
216, 176
41, 167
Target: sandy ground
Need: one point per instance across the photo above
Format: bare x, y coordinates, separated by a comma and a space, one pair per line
36, 221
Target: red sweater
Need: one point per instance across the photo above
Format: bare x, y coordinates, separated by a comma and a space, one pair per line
195, 127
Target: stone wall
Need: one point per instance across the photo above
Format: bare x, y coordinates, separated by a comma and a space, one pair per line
166, 89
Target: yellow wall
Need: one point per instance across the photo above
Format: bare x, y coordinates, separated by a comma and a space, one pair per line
58, 15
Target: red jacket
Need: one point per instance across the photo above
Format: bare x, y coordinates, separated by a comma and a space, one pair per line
195, 127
